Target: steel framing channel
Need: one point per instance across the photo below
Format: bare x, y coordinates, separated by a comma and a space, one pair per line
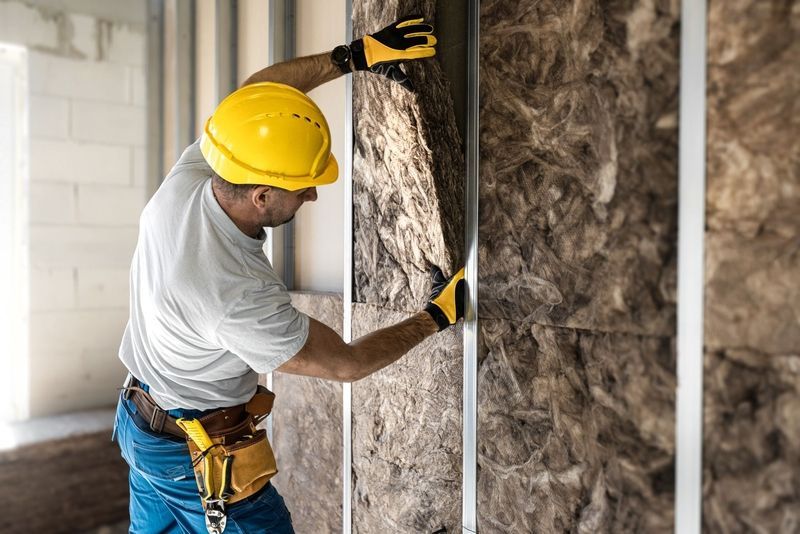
280, 27
471, 331
289, 47
227, 49
347, 288
155, 95
691, 228
184, 68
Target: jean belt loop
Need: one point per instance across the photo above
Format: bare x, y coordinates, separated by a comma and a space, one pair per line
157, 419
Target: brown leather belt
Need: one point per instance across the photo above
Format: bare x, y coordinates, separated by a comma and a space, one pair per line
163, 423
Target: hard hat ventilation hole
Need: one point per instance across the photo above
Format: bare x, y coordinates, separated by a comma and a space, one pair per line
295, 115
317, 125
307, 119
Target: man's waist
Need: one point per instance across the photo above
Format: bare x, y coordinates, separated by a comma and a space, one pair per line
217, 421
164, 421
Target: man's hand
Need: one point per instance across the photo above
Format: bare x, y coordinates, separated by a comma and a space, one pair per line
447, 298
405, 39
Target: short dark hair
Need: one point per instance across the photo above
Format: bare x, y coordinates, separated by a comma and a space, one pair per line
231, 191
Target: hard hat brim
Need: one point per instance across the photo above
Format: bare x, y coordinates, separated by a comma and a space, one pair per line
237, 172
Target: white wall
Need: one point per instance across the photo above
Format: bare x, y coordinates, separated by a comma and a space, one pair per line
87, 188
319, 227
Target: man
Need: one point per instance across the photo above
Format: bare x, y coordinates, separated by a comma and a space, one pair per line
208, 313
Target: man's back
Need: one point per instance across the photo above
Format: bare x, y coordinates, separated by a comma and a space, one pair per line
207, 309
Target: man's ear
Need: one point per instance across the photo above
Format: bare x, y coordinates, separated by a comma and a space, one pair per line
259, 195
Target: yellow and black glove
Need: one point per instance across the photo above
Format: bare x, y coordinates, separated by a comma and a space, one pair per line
447, 298
381, 52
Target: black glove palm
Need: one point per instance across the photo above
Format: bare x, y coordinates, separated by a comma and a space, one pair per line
447, 298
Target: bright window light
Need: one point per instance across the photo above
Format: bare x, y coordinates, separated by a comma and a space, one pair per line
13, 234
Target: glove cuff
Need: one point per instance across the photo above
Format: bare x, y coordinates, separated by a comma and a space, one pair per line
438, 316
358, 55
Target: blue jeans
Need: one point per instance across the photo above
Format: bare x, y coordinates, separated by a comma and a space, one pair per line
163, 492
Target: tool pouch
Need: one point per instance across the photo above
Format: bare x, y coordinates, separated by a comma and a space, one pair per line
241, 461
250, 465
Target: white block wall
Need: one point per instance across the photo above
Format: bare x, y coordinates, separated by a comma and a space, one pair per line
87, 188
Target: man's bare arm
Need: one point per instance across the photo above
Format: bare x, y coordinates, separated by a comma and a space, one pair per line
326, 355
303, 73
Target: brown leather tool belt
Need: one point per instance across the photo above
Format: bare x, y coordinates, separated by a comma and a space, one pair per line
237, 460
216, 422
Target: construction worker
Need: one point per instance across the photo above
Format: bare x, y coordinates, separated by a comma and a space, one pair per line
208, 313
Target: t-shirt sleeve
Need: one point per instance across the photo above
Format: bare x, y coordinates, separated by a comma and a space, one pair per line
264, 329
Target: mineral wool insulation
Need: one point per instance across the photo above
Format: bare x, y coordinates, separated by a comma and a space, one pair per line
577, 255
307, 435
408, 173
577, 235
751, 475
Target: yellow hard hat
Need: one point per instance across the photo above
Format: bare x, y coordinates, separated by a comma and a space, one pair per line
269, 134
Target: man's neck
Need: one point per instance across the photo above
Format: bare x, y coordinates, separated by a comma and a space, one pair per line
250, 229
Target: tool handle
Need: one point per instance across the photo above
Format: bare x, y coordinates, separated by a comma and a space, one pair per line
194, 429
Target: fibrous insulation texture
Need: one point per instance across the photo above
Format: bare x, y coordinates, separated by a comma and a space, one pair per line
307, 437
577, 239
751, 475
407, 215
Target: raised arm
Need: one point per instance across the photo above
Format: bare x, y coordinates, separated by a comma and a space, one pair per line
303, 73
326, 355
405, 39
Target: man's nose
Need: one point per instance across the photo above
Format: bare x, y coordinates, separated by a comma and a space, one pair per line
310, 194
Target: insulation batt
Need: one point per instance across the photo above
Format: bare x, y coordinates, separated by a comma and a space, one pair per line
408, 170
751, 476
577, 246
407, 435
307, 433
408, 174
578, 170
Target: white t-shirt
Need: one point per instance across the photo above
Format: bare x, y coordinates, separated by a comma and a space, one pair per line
207, 311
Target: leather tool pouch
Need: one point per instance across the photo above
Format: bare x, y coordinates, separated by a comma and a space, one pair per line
251, 462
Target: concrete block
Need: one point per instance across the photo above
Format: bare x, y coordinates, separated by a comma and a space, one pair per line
75, 379
138, 86
49, 117
122, 43
52, 289
139, 168
57, 246
101, 375
81, 33
108, 123
54, 369
52, 203
69, 161
109, 205
25, 25
76, 78
103, 288
75, 331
